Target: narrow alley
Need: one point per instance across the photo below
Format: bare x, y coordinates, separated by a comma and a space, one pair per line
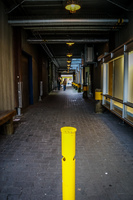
30, 159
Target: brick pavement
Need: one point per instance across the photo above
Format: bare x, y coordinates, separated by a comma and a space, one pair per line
30, 159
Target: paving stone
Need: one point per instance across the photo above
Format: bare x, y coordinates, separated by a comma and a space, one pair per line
30, 159
3, 196
13, 197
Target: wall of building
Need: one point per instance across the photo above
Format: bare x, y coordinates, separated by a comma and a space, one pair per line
96, 77
25, 79
87, 79
54, 84
125, 33
6, 63
32, 50
118, 77
45, 76
42, 68
118, 81
100, 49
50, 76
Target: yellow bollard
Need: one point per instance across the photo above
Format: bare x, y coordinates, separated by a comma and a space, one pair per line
68, 138
98, 95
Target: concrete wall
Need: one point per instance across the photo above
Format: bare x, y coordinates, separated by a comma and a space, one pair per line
6, 63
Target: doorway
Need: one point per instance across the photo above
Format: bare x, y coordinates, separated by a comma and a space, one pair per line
27, 92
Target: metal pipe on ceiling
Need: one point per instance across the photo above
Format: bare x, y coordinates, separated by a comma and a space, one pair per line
16, 6
37, 22
45, 5
43, 28
51, 33
70, 28
51, 41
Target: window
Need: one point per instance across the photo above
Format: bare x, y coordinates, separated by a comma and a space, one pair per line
110, 82
118, 77
130, 77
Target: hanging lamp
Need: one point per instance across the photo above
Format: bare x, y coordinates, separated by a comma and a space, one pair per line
68, 61
72, 6
69, 55
70, 43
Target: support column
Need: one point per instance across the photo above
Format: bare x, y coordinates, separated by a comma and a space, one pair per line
125, 86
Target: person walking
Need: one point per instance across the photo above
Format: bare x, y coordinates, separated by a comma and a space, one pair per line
58, 83
64, 84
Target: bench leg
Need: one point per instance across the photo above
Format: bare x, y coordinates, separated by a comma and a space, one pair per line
8, 128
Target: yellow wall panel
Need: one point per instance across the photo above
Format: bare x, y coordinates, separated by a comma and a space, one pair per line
6, 63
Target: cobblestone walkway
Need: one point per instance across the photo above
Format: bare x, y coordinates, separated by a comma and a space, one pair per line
30, 159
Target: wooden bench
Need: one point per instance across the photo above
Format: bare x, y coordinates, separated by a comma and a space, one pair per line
6, 121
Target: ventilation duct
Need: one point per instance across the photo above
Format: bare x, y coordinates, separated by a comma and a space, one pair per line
89, 54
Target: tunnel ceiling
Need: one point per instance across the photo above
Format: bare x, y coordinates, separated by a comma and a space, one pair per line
51, 26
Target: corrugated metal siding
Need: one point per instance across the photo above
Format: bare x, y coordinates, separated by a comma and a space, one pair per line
6, 63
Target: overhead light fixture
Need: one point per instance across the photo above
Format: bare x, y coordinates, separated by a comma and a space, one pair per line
70, 43
69, 55
68, 61
68, 65
72, 6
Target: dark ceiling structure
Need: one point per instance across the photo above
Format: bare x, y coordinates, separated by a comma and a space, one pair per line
51, 26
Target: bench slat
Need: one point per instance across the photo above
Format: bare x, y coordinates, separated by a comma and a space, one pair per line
6, 116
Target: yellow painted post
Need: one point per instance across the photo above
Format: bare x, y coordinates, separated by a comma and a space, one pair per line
68, 138
79, 87
98, 102
98, 95
85, 89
